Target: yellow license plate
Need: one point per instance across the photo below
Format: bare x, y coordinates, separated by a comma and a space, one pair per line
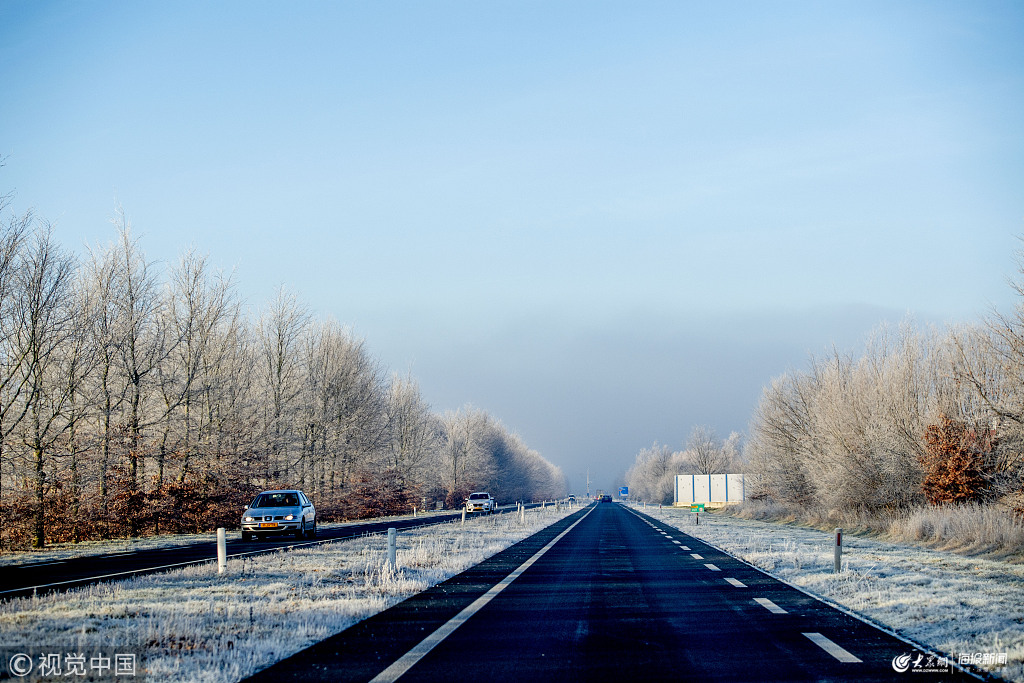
268, 525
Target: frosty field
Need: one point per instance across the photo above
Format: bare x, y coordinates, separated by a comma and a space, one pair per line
195, 625
951, 603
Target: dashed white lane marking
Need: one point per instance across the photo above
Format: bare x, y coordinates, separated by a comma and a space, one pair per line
684, 547
677, 542
831, 648
736, 582
406, 661
696, 556
712, 567
770, 606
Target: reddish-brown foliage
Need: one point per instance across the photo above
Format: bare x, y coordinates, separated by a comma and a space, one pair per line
954, 462
378, 494
456, 498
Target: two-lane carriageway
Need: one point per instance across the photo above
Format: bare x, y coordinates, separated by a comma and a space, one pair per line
606, 594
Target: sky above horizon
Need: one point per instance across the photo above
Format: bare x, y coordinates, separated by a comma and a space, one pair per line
603, 222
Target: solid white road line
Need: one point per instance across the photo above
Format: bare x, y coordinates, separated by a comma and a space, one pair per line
406, 661
831, 648
696, 556
770, 606
737, 583
712, 567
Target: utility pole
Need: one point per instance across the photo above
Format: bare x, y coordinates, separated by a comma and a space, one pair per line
588, 483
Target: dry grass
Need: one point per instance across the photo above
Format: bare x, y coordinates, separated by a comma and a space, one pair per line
972, 530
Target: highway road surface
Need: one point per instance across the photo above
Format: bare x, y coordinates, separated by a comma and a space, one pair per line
608, 594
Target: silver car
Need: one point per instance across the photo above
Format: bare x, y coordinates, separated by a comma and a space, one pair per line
278, 513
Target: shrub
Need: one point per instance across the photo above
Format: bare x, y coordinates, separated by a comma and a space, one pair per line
953, 463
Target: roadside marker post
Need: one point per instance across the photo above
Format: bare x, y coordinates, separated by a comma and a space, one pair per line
838, 553
463, 516
393, 547
222, 550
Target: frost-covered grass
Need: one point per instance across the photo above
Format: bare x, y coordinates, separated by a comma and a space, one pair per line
970, 529
991, 530
949, 602
65, 551
195, 625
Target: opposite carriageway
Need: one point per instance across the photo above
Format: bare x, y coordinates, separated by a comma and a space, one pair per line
29, 578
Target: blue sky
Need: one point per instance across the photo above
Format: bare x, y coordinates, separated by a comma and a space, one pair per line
604, 222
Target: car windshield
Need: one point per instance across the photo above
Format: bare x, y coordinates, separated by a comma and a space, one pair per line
478, 496
277, 500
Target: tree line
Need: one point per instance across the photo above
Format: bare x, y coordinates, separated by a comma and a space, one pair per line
136, 401
652, 475
921, 416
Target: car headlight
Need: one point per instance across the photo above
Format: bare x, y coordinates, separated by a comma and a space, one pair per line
289, 518
248, 519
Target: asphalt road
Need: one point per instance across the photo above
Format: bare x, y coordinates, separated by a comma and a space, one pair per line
609, 594
38, 577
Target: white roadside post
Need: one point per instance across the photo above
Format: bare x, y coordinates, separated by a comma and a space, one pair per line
838, 553
222, 550
463, 516
522, 513
393, 547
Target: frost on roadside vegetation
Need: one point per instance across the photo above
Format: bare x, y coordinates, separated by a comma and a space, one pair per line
952, 603
194, 625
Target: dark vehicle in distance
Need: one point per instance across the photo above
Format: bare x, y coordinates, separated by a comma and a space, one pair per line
606, 498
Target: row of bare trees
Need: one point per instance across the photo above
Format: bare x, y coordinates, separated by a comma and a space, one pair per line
652, 476
922, 415
134, 400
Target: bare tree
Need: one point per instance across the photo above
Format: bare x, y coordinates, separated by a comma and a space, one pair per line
12, 377
358, 424
413, 431
144, 337
280, 330
463, 458
103, 285
652, 476
198, 303
79, 357
45, 320
705, 453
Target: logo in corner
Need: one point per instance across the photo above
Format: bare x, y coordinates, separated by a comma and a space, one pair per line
901, 663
